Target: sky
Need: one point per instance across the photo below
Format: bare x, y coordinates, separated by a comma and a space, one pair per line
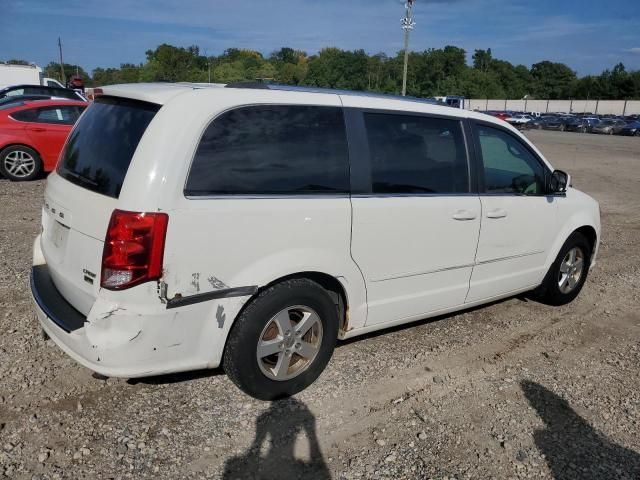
587, 35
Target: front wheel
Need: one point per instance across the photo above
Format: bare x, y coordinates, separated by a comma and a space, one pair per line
567, 274
20, 163
283, 340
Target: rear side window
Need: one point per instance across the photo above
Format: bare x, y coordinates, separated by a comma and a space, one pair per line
63, 115
416, 154
272, 149
100, 148
28, 115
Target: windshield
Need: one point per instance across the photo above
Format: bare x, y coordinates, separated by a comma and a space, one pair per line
100, 148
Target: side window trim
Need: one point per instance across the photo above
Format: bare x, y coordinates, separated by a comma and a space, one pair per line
360, 165
480, 162
360, 156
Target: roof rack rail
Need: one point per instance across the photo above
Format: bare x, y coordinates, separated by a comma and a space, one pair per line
247, 84
261, 85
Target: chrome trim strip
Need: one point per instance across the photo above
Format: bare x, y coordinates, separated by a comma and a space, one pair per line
510, 257
475, 264
395, 277
266, 196
403, 195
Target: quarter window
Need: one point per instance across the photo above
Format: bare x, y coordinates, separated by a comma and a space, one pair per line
416, 154
272, 149
509, 166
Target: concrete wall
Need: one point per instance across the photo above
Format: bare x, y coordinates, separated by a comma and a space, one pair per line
616, 107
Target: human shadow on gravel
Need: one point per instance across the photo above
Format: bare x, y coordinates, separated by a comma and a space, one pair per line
276, 432
573, 448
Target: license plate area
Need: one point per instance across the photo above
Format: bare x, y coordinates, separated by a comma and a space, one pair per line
56, 236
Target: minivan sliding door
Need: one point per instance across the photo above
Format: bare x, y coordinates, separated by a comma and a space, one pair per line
415, 222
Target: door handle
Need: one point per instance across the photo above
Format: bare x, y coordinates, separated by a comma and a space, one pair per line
463, 215
37, 129
497, 213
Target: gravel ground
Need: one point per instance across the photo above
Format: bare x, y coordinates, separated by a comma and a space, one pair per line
512, 390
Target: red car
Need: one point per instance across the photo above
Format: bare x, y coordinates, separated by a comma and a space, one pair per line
32, 134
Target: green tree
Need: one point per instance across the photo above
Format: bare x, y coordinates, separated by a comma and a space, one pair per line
552, 80
482, 59
52, 70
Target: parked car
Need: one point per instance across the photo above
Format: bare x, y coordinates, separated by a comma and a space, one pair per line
498, 114
41, 90
519, 120
631, 129
188, 227
20, 99
546, 123
608, 126
582, 125
32, 134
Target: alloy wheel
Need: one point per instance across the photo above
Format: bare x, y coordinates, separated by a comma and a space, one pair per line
571, 270
20, 164
289, 343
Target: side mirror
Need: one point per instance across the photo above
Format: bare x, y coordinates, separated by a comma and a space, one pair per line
559, 182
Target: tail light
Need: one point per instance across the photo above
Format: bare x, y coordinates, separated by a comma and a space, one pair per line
133, 249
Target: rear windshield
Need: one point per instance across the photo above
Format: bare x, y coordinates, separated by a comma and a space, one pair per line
100, 147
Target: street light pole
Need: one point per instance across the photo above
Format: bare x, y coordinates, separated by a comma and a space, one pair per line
407, 26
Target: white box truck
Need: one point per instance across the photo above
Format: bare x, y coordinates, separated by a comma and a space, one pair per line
24, 75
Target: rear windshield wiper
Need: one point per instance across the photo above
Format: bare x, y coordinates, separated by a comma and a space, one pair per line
82, 178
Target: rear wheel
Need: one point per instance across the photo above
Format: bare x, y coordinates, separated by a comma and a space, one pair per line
283, 340
20, 163
567, 274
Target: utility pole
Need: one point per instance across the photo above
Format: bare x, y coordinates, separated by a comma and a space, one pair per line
208, 64
64, 79
407, 26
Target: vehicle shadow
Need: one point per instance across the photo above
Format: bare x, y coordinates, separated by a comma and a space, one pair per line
573, 448
416, 323
272, 454
198, 374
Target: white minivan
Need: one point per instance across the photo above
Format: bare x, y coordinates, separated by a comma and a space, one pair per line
253, 226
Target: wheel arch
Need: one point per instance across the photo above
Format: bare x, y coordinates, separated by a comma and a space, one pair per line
590, 234
331, 284
578, 225
19, 144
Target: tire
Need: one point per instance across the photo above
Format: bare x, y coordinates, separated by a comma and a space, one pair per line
20, 163
261, 323
551, 291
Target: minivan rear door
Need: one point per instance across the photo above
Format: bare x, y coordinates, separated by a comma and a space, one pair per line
82, 194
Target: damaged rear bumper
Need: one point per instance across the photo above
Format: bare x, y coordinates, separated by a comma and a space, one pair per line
134, 341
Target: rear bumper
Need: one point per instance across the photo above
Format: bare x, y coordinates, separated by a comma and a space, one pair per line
118, 341
52, 303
